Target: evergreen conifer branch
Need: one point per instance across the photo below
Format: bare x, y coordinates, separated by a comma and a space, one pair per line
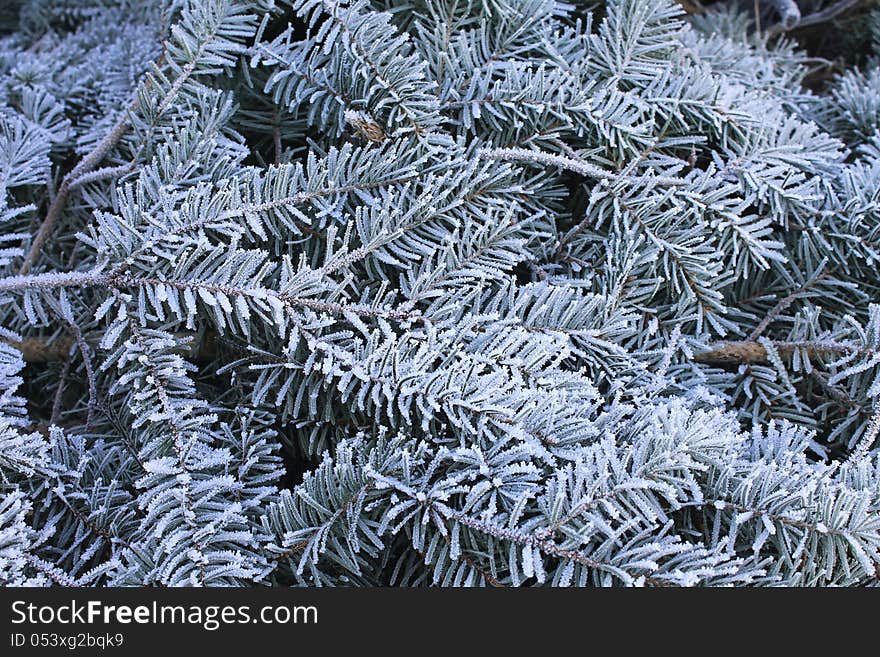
520, 293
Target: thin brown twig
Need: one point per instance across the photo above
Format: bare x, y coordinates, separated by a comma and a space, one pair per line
782, 304
59, 393
751, 351
84, 166
84, 172
816, 18
90, 373
41, 350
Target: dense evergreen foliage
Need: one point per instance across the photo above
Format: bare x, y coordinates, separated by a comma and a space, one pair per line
438, 292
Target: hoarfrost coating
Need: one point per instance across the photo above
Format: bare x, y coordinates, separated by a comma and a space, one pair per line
438, 293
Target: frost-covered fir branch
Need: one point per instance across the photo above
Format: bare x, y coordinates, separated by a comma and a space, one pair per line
434, 293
